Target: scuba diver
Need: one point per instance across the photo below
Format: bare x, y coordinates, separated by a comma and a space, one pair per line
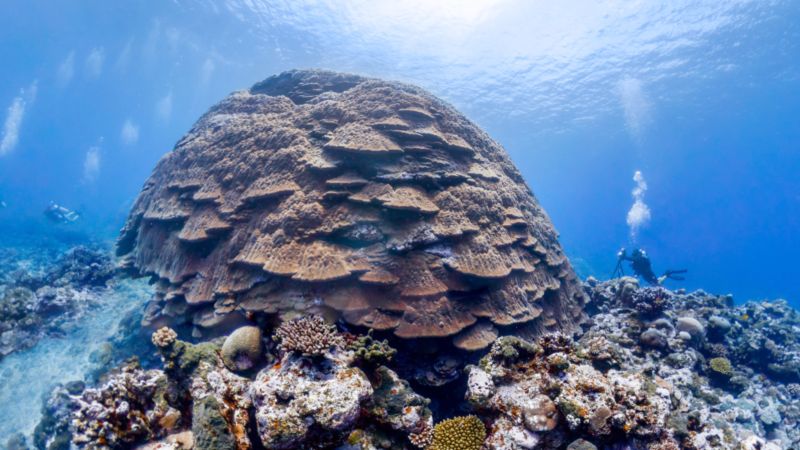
60, 214
641, 266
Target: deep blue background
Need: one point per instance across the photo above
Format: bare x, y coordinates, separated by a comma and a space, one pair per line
711, 114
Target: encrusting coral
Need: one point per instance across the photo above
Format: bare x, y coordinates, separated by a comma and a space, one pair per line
376, 200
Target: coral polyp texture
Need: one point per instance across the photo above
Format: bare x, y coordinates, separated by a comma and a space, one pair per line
459, 433
371, 198
309, 336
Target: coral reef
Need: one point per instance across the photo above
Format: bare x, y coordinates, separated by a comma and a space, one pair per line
317, 190
51, 299
549, 391
609, 387
304, 216
295, 401
720, 360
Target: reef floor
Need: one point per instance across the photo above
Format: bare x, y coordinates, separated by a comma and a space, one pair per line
651, 368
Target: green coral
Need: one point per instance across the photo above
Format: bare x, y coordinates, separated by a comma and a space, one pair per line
370, 351
181, 358
459, 433
721, 366
393, 398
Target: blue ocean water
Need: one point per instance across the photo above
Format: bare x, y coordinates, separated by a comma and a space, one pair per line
703, 97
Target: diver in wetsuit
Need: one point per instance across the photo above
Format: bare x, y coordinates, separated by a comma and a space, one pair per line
60, 214
642, 267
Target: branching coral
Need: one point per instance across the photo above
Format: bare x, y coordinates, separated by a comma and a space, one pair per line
164, 337
308, 335
459, 433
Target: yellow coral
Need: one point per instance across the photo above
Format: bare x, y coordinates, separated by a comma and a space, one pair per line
721, 366
459, 433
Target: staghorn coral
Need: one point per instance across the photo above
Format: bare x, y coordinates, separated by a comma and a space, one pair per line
371, 198
458, 433
308, 336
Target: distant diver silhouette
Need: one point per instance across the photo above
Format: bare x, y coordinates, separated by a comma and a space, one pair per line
60, 214
642, 267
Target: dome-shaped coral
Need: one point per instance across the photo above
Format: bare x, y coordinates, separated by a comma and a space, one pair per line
372, 198
459, 433
242, 349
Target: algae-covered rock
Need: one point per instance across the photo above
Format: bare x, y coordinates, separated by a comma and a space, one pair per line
396, 405
298, 392
209, 427
221, 408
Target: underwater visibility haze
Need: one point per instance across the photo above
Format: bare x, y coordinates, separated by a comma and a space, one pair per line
496, 224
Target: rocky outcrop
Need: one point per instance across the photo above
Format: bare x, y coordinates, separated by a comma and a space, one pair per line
316, 190
296, 394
